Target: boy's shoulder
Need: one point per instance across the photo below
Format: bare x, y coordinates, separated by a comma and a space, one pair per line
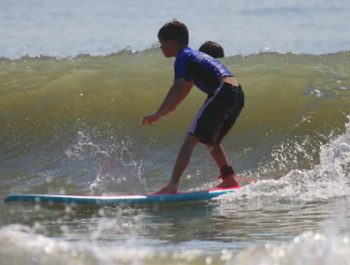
183, 56
192, 52
189, 53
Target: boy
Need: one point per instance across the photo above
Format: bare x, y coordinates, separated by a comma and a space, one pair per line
218, 113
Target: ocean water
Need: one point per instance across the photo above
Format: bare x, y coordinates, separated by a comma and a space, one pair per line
69, 27
76, 78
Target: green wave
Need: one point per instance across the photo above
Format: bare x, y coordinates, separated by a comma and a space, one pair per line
282, 90
46, 102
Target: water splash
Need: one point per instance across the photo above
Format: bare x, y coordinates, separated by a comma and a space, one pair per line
20, 244
314, 248
326, 180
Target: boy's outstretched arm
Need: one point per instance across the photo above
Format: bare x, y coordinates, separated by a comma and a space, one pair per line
177, 92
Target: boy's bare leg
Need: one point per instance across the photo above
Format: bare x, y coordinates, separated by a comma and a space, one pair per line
220, 157
182, 161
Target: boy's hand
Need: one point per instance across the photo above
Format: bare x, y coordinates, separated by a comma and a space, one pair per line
150, 119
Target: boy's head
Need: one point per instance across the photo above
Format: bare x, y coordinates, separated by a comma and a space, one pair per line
213, 49
176, 31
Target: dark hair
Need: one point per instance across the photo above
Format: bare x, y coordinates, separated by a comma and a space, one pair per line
213, 49
176, 31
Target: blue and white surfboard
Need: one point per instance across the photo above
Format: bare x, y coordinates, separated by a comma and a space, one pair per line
120, 199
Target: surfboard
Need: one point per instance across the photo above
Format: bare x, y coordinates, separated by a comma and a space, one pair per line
120, 199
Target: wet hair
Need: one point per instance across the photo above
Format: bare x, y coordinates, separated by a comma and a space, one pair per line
176, 31
213, 49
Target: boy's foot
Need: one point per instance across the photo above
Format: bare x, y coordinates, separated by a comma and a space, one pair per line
167, 190
228, 182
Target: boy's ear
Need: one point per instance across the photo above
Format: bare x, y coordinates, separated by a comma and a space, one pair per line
174, 44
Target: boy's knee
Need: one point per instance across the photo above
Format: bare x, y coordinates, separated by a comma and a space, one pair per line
191, 140
214, 147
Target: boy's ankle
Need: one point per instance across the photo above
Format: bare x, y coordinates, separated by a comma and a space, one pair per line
226, 171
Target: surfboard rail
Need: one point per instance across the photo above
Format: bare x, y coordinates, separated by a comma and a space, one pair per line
119, 199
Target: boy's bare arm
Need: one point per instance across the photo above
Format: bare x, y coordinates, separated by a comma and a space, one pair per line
177, 92
186, 87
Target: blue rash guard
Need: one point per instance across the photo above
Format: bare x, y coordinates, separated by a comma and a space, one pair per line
203, 70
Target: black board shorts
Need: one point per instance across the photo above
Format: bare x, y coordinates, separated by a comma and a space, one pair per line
218, 114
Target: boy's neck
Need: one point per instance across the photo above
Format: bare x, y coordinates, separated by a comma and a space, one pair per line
180, 48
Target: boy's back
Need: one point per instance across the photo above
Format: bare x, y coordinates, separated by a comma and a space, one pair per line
203, 70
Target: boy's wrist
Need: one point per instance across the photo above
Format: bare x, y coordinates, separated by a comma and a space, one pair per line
159, 114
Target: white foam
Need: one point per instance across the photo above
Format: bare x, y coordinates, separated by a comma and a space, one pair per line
329, 179
311, 248
21, 245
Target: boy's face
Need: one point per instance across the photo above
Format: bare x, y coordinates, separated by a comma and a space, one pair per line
169, 48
